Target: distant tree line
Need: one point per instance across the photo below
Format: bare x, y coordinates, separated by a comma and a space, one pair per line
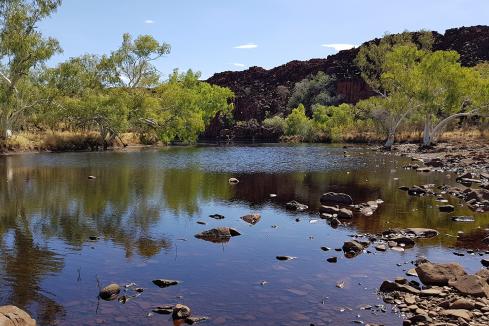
414, 86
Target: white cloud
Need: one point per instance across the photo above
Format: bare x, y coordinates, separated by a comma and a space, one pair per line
247, 46
239, 65
149, 21
339, 46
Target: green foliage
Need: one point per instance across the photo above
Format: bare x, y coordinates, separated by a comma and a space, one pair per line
318, 89
371, 57
182, 108
131, 65
333, 120
22, 48
277, 124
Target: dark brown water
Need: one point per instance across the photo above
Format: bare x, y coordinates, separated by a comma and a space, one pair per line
144, 207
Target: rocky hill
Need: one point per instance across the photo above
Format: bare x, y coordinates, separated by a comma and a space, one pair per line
260, 92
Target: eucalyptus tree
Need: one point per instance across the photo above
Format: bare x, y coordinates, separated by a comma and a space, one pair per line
132, 65
379, 61
22, 49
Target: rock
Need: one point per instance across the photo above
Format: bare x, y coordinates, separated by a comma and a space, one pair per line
285, 257
162, 283
296, 206
381, 247
352, 246
181, 311
412, 272
431, 292
473, 285
91, 177
332, 260
163, 310
446, 208
457, 313
110, 292
201, 222
438, 274
388, 286
342, 213
484, 273
233, 181
345, 213
485, 262
463, 219
217, 216
336, 198
14, 316
252, 218
436, 163
218, 235
462, 303
417, 191
422, 232
424, 169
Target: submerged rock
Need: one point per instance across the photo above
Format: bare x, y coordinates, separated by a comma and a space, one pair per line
336, 198
342, 213
233, 181
285, 257
251, 218
463, 219
296, 206
446, 208
217, 216
110, 292
163, 283
14, 316
353, 245
218, 235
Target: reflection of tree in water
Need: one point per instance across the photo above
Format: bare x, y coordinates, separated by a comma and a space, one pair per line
25, 265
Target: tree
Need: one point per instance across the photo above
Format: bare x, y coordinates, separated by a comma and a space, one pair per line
382, 63
319, 89
371, 57
131, 65
446, 91
181, 108
78, 97
22, 48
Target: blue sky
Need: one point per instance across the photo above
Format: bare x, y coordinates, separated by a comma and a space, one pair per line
206, 35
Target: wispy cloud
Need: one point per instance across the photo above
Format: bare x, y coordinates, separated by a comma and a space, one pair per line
246, 46
339, 46
149, 21
239, 65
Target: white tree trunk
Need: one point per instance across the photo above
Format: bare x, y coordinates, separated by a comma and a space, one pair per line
427, 131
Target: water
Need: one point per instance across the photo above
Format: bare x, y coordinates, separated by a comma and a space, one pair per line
144, 206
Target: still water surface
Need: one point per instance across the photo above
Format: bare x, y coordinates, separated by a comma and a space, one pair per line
144, 206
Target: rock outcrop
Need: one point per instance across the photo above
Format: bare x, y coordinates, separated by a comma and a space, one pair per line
260, 92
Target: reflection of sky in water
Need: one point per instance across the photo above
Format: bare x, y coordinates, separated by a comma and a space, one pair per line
144, 207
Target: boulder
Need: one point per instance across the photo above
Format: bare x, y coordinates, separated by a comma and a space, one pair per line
439, 274
181, 311
473, 285
296, 206
353, 245
218, 235
462, 303
251, 218
110, 292
457, 313
14, 316
336, 198
388, 286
